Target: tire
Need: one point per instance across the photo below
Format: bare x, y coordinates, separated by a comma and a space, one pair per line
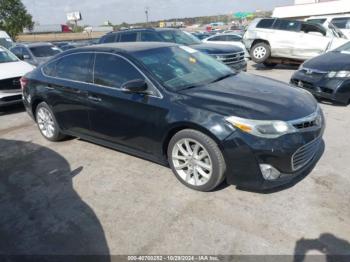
205, 154
270, 65
260, 52
47, 123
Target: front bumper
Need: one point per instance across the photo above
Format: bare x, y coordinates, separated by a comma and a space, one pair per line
334, 89
244, 153
240, 66
10, 97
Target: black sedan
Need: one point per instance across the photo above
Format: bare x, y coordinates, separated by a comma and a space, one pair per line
174, 105
327, 76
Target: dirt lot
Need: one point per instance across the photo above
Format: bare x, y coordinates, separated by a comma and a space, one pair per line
75, 197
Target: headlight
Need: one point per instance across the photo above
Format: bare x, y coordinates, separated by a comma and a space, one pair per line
261, 128
338, 74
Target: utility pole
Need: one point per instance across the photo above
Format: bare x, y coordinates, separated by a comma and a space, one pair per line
146, 12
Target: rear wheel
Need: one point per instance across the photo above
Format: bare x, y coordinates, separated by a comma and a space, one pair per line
260, 52
196, 160
47, 123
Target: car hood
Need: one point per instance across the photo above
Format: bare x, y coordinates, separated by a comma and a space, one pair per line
216, 49
253, 97
14, 69
331, 61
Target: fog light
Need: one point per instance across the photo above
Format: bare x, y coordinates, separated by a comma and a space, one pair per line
269, 172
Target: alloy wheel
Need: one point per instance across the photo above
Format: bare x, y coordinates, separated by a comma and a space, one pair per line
260, 52
192, 162
45, 122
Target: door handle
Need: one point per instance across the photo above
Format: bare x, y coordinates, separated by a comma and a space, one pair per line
94, 98
49, 86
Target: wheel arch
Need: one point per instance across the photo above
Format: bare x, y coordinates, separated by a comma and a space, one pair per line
186, 125
257, 41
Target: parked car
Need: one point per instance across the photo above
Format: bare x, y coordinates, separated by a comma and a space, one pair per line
227, 39
342, 22
5, 40
201, 35
230, 55
271, 41
35, 53
327, 76
11, 70
174, 105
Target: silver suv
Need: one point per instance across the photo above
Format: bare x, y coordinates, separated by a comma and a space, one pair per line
272, 41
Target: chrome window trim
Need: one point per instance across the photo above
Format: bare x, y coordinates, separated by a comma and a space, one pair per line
160, 95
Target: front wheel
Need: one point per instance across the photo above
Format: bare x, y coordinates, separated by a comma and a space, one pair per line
196, 160
260, 52
47, 123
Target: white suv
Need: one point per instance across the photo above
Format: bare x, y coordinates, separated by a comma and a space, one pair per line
272, 41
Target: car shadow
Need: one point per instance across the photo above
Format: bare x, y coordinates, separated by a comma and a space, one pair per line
41, 214
261, 67
335, 249
292, 182
325, 101
13, 109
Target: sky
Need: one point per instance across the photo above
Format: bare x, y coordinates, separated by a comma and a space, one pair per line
96, 12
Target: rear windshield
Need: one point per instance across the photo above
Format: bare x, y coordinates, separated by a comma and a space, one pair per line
45, 51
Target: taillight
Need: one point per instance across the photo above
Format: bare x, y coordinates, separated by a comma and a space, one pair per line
24, 82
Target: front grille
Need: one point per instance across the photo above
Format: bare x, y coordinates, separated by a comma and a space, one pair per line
230, 59
10, 84
305, 154
313, 74
313, 120
302, 84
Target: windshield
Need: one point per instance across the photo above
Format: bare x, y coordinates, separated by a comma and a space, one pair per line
6, 56
344, 48
179, 37
181, 67
45, 50
336, 31
317, 20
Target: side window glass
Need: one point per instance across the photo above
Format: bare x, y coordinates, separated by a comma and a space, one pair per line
113, 71
74, 67
233, 38
287, 25
217, 38
25, 52
128, 37
265, 23
341, 22
16, 50
150, 37
109, 38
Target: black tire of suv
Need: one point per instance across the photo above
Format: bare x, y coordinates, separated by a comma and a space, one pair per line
267, 55
217, 159
57, 136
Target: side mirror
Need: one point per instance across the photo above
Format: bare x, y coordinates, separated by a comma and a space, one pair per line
135, 86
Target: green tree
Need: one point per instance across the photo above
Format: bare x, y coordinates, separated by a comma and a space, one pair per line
14, 17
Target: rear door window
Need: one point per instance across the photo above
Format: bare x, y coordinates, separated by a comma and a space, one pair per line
287, 25
218, 38
128, 37
150, 37
76, 67
265, 23
234, 38
113, 71
109, 38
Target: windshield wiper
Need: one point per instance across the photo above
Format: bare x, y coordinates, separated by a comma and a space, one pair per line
223, 77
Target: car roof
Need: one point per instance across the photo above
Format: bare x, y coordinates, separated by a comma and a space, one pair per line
157, 29
127, 46
35, 44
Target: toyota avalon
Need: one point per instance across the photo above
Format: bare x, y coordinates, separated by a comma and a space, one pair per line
176, 106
